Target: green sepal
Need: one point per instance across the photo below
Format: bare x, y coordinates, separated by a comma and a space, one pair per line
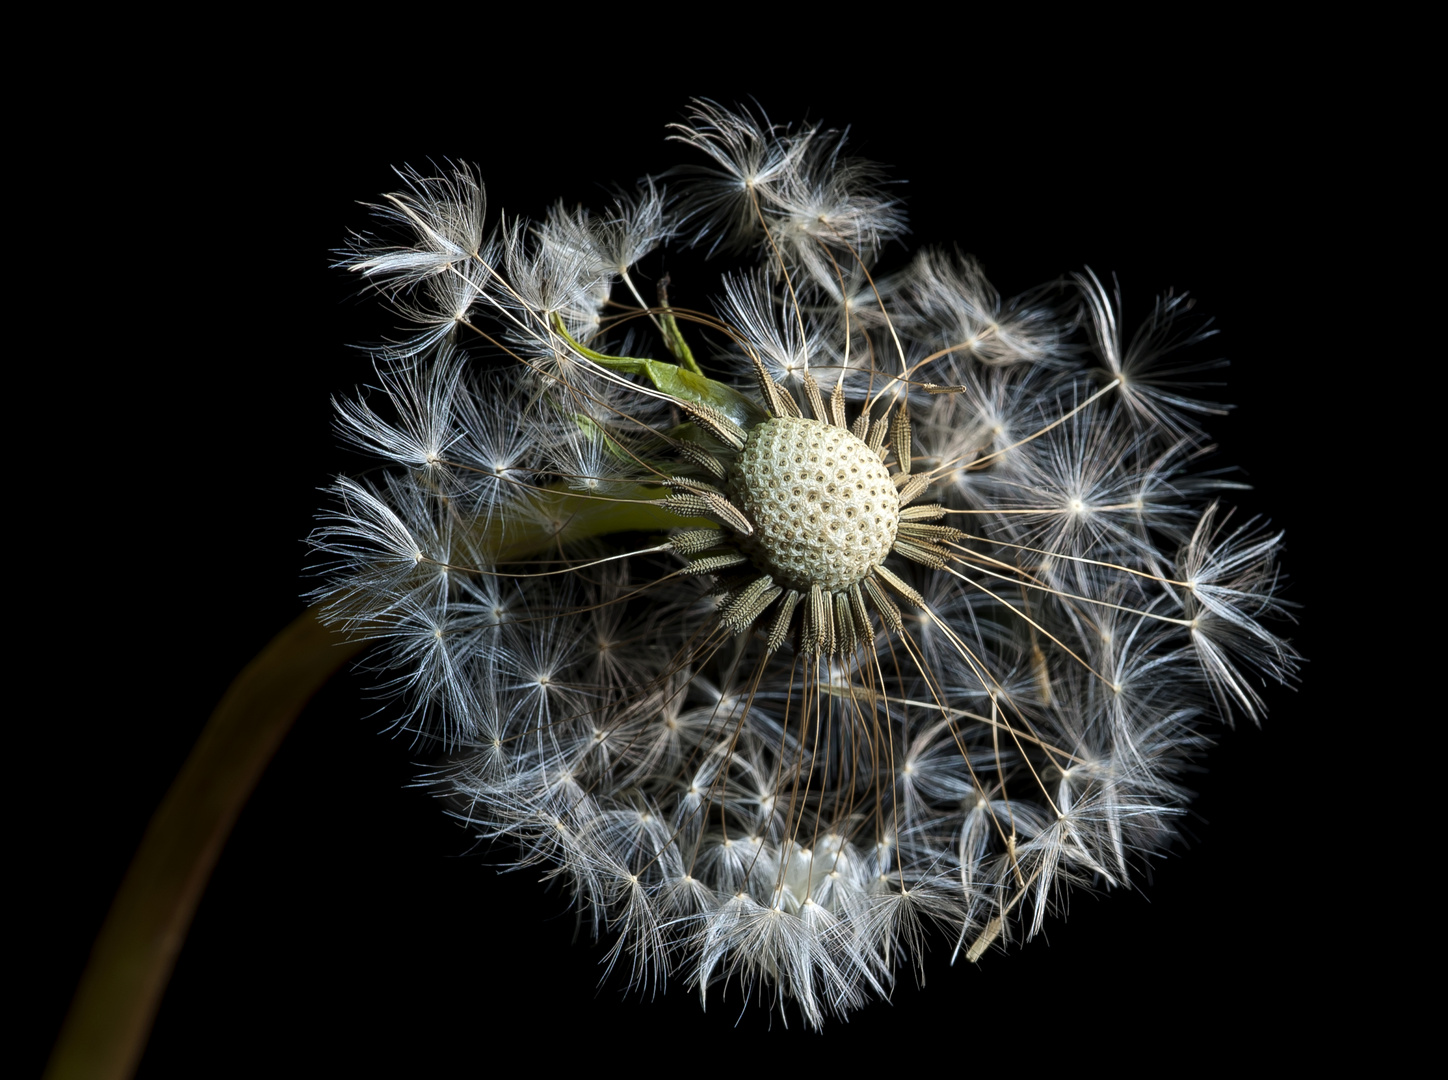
558, 517
596, 432
677, 346
675, 381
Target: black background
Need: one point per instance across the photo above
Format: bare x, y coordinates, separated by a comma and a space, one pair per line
347, 926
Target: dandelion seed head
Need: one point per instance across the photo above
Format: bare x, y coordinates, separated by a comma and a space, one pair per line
872, 604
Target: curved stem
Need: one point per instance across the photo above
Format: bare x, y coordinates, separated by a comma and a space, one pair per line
115, 1004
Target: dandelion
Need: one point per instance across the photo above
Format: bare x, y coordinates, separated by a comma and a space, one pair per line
861, 608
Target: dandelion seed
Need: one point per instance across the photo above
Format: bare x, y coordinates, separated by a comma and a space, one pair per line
870, 606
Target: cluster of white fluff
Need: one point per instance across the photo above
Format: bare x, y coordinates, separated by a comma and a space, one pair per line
732, 784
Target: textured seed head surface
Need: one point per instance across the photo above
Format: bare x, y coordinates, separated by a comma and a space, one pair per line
823, 506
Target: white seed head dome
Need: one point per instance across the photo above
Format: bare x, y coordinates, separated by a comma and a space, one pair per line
824, 508
675, 667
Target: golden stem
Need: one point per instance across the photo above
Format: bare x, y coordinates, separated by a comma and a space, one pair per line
120, 990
